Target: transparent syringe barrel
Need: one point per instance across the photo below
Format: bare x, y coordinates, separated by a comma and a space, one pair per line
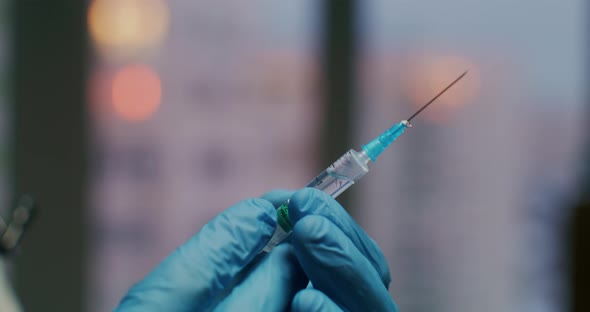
333, 181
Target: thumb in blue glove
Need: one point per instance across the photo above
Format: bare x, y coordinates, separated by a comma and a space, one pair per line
197, 272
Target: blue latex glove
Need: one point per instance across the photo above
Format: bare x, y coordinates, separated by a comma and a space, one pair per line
192, 277
346, 267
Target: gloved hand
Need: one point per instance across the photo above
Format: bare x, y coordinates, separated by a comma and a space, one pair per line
345, 266
198, 272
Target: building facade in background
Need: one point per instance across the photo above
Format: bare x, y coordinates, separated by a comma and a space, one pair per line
196, 106
468, 205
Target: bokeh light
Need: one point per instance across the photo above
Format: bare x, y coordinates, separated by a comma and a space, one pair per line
137, 92
428, 76
123, 28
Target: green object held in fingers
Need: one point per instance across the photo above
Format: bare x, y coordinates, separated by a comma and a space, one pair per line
283, 217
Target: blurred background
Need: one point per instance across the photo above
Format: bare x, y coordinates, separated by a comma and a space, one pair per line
134, 122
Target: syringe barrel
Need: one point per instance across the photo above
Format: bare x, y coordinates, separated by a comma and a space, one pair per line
341, 174
333, 181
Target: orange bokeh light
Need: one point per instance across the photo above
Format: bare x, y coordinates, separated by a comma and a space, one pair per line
137, 92
122, 28
430, 75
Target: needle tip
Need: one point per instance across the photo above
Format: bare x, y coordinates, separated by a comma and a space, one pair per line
439, 94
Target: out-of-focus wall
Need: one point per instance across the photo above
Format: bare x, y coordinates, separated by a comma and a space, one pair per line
48, 149
4, 101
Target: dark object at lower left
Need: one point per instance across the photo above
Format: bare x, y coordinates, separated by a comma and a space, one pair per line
13, 227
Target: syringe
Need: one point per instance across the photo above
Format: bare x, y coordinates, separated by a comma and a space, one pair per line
347, 169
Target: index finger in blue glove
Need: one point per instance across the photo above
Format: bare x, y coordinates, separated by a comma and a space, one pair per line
337, 268
309, 201
191, 277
